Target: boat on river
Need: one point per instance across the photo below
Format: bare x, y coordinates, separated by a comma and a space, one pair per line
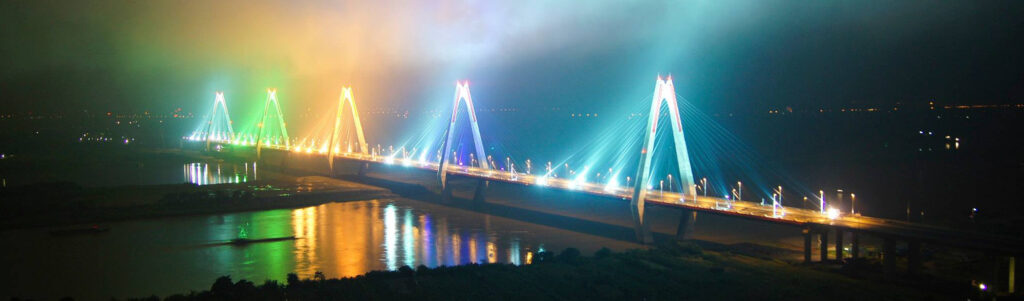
247, 241
93, 229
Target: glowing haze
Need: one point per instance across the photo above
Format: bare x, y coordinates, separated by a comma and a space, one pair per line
159, 55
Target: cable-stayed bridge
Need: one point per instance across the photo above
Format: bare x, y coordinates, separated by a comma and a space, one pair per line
692, 199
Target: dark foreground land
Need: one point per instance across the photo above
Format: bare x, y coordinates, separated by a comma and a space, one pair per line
679, 271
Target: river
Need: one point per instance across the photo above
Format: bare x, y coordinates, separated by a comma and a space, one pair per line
176, 255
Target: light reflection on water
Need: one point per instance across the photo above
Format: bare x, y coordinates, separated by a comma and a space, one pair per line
384, 235
202, 173
180, 254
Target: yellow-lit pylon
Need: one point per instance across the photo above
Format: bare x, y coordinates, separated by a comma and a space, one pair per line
219, 100
345, 97
271, 97
664, 91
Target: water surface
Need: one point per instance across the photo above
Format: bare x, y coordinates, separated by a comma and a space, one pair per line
175, 255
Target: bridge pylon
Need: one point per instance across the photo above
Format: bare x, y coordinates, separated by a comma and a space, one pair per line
345, 97
664, 91
461, 95
219, 102
271, 98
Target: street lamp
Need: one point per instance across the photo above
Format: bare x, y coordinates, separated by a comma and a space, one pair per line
739, 189
693, 190
670, 182
780, 195
704, 183
775, 206
821, 193
853, 202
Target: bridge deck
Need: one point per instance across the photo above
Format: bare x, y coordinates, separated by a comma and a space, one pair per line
786, 215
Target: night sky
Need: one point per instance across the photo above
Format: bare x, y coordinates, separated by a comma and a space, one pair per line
160, 55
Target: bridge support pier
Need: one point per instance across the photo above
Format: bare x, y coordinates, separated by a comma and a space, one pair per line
855, 244
363, 169
686, 223
913, 257
807, 245
446, 194
641, 226
283, 165
478, 194
839, 244
888, 256
823, 244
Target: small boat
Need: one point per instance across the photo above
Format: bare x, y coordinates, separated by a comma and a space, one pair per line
94, 229
246, 241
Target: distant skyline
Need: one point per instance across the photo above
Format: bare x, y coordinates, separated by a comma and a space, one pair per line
724, 55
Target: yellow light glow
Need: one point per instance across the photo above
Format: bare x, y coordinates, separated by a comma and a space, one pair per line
833, 213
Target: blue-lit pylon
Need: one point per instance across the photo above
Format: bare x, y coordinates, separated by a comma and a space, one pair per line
461, 95
663, 92
345, 97
271, 98
219, 102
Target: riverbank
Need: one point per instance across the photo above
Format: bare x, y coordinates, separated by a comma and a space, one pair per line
65, 204
670, 272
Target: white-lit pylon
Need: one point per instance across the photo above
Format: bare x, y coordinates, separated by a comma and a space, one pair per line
664, 91
345, 97
271, 97
219, 100
461, 94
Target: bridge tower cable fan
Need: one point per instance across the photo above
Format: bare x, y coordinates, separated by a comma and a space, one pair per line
664, 91
345, 97
219, 100
271, 98
461, 95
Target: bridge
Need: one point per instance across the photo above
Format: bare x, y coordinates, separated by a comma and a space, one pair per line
817, 223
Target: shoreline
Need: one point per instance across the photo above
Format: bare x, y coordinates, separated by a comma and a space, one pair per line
669, 271
77, 206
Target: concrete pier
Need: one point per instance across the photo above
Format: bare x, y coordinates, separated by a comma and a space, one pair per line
839, 244
889, 255
854, 244
807, 245
687, 219
823, 244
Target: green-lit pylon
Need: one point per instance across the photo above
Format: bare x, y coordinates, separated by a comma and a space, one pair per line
219, 102
663, 92
345, 97
271, 98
